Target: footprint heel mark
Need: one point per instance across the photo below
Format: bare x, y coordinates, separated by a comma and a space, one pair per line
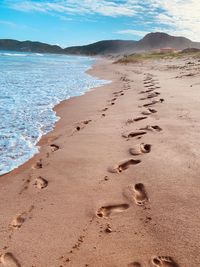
107, 211
140, 195
140, 149
134, 134
117, 168
163, 261
41, 182
9, 260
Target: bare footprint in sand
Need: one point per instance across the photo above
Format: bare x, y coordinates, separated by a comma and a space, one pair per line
9, 260
133, 134
129, 121
140, 149
134, 264
117, 168
140, 195
107, 211
18, 221
149, 111
54, 147
38, 164
152, 128
162, 261
41, 182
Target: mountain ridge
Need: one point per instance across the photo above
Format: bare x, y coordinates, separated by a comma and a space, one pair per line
151, 41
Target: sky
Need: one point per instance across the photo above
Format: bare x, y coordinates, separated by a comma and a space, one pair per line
80, 22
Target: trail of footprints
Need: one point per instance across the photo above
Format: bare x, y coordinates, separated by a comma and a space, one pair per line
7, 258
137, 193
134, 193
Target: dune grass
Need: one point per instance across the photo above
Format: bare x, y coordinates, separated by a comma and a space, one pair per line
137, 58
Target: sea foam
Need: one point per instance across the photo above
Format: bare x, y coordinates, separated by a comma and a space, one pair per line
30, 86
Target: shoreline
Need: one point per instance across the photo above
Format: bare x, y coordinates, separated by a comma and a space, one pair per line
116, 183
56, 109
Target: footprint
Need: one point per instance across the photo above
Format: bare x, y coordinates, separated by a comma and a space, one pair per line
152, 110
134, 264
9, 260
134, 134
153, 128
106, 211
140, 195
149, 111
18, 221
104, 109
79, 126
162, 261
117, 168
151, 103
154, 94
146, 112
54, 147
136, 119
140, 149
150, 90
38, 164
40, 182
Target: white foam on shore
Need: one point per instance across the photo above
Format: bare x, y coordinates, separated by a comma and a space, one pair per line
29, 89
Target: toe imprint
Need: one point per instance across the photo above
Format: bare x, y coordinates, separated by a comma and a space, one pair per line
162, 261
106, 211
7, 259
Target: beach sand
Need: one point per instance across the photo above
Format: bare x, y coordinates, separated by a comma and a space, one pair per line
117, 182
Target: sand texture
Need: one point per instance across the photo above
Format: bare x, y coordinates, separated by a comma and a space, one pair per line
116, 184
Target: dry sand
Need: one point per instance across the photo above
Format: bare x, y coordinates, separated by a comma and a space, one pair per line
107, 188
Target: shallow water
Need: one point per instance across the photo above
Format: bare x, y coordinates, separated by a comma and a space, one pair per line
30, 86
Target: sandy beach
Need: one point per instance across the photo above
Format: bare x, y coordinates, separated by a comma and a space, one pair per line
117, 182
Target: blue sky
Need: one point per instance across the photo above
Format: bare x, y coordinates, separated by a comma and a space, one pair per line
76, 22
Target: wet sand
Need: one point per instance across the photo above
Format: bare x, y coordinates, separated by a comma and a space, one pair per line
117, 182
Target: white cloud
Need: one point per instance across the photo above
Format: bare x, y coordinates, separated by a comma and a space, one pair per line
180, 17
7, 23
133, 32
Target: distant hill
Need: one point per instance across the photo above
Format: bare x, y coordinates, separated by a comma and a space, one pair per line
150, 41
28, 46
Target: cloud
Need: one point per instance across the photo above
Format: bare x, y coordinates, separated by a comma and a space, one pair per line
180, 17
133, 32
7, 23
102, 7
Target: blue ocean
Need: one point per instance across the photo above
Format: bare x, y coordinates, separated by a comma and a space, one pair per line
30, 86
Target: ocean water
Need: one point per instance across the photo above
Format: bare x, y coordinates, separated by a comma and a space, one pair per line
30, 86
